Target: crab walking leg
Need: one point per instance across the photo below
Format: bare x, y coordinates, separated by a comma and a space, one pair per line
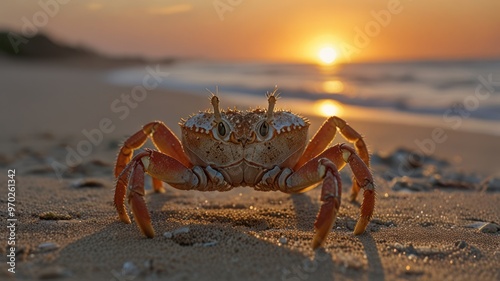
122, 184
331, 192
315, 170
120, 193
159, 166
136, 201
167, 143
362, 176
325, 136
163, 139
135, 195
127, 151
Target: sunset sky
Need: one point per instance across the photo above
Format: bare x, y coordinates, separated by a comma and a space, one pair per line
268, 30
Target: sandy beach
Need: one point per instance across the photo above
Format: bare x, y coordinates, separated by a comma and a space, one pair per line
437, 216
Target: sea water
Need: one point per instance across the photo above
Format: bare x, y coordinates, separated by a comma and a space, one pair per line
465, 93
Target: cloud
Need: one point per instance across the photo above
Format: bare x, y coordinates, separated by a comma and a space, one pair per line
170, 10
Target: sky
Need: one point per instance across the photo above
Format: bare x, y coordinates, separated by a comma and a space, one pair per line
258, 30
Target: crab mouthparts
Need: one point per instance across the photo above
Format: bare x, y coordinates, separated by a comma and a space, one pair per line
243, 140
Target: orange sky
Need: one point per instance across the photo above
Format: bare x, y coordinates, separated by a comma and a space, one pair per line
268, 30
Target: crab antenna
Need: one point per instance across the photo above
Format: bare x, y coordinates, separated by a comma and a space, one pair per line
271, 98
215, 103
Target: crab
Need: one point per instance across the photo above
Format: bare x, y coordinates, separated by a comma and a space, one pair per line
267, 150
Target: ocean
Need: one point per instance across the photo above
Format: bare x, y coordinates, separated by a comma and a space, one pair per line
461, 95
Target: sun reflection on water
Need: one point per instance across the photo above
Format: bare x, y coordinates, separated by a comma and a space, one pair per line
333, 86
328, 108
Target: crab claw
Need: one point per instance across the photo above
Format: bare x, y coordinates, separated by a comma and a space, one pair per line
330, 196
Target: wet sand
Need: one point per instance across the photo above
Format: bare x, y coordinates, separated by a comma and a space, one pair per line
436, 216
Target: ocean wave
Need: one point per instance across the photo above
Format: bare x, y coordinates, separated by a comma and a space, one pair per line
427, 88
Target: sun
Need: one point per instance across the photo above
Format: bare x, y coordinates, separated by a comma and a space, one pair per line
327, 55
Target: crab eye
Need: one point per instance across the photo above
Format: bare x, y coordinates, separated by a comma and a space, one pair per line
221, 128
264, 129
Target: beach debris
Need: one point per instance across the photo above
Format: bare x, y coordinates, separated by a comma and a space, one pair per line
419, 184
409, 171
350, 224
282, 240
410, 184
207, 244
171, 234
180, 230
412, 162
81, 183
491, 184
461, 244
489, 228
168, 235
54, 216
129, 269
48, 246
416, 252
484, 227
460, 250
440, 182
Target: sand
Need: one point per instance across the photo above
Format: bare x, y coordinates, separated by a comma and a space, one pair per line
440, 223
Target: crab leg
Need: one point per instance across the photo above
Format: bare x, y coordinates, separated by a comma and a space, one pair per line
162, 167
324, 167
362, 176
162, 138
325, 136
331, 192
136, 200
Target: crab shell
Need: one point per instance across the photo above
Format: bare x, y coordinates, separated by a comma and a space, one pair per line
243, 145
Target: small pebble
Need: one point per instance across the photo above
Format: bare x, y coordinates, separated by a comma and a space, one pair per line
283, 240
477, 224
180, 230
398, 246
210, 244
484, 227
171, 234
54, 216
461, 244
489, 228
48, 246
350, 225
130, 269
